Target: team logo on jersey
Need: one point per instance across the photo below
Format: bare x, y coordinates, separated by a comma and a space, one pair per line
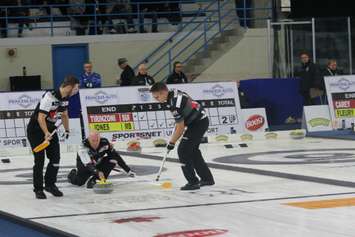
24, 101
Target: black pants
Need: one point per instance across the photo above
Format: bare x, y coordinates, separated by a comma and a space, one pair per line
83, 173
190, 155
36, 137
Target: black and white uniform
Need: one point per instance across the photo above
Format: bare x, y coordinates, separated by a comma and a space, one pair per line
90, 161
53, 105
184, 108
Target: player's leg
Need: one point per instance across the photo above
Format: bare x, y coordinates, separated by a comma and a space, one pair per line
185, 152
35, 138
50, 178
106, 166
198, 130
80, 175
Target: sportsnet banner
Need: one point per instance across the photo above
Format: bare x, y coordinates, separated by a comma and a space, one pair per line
341, 99
16, 108
126, 113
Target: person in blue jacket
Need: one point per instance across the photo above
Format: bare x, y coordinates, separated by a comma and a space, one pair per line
89, 79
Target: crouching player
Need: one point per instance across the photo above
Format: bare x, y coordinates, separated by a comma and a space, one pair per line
95, 160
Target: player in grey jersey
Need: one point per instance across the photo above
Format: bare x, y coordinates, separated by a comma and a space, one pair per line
191, 124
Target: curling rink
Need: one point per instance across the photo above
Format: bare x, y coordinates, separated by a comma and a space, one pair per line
282, 187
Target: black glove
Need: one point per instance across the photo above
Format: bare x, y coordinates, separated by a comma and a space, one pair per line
170, 146
66, 134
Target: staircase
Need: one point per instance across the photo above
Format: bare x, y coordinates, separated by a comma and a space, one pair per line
198, 43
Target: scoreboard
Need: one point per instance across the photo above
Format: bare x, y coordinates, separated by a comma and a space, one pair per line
121, 113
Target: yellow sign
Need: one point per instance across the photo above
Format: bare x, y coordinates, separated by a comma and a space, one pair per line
112, 127
345, 113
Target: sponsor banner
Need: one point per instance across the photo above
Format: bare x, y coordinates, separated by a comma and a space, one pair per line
125, 113
341, 99
255, 120
317, 118
16, 108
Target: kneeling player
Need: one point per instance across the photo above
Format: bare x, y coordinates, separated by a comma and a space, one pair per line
96, 160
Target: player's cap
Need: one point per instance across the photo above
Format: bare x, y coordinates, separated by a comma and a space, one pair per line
122, 61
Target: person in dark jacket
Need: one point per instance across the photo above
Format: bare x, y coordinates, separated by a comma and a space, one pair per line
127, 75
177, 76
310, 74
330, 71
142, 78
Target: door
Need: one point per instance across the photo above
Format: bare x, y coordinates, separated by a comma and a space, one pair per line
68, 59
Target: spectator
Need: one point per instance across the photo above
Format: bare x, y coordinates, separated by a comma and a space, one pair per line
309, 75
174, 16
78, 20
23, 12
4, 12
148, 10
89, 79
243, 99
124, 10
95, 10
142, 78
177, 76
127, 75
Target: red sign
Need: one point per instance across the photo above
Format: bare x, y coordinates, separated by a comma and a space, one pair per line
136, 219
194, 233
254, 122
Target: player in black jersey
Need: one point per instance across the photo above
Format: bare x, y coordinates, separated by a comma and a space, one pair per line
96, 159
191, 115
52, 108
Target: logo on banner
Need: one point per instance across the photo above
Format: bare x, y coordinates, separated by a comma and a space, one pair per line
255, 122
342, 84
101, 97
24, 101
194, 233
318, 122
144, 94
218, 91
19, 142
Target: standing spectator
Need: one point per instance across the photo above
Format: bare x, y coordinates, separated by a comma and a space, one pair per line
309, 75
96, 11
142, 78
127, 75
89, 79
147, 10
177, 76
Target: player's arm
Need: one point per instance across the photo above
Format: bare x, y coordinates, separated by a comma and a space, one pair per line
44, 108
65, 120
43, 125
178, 132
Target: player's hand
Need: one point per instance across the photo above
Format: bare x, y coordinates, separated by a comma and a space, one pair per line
65, 135
170, 146
47, 136
131, 174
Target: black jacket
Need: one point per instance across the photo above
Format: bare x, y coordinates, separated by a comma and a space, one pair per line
328, 73
176, 78
310, 76
127, 76
143, 80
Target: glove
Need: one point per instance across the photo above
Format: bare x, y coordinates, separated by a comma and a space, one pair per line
65, 135
170, 146
131, 174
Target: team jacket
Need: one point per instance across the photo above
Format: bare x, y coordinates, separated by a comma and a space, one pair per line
184, 108
53, 105
92, 80
89, 155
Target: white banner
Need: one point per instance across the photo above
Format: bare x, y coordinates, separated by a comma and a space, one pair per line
255, 120
125, 113
317, 118
16, 109
341, 99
